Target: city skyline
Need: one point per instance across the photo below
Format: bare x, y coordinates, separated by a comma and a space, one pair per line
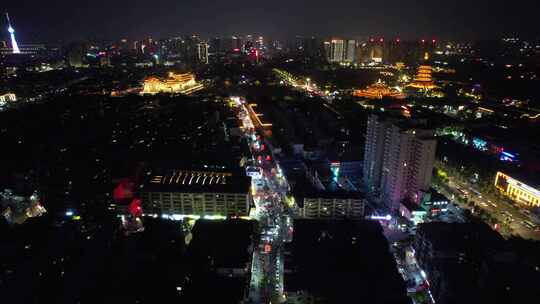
62, 21
256, 153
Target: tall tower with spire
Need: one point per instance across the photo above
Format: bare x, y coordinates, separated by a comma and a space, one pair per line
11, 31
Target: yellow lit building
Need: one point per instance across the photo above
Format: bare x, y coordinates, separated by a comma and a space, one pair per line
400, 65
174, 83
379, 90
423, 79
517, 190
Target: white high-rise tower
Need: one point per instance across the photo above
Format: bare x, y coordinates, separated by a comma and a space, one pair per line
11, 31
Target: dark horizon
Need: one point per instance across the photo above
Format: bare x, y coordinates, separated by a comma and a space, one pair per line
63, 21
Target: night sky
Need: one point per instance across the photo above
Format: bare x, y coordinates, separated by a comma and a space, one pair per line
63, 20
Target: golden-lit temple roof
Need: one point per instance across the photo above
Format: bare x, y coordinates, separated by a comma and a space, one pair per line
171, 77
423, 79
173, 83
379, 90
152, 79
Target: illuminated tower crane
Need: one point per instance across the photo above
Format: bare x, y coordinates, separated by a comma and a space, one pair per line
11, 31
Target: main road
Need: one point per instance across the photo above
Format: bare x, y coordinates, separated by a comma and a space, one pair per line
504, 212
269, 192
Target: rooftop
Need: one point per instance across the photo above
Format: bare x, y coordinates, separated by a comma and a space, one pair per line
459, 236
218, 245
342, 260
178, 180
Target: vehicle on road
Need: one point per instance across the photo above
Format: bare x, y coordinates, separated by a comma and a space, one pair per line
531, 225
525, 212
508, 214
462, 192
259, 183
476, 192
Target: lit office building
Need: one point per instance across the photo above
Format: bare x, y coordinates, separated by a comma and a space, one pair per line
174, 83
517, 190
182, 193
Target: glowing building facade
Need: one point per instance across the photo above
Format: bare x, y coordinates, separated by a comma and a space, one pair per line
379, 90
423, 79
174, 83
341, 51
11, 30
337, 47
182, 193
517, 190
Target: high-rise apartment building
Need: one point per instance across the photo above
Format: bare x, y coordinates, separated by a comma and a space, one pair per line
373, 152
350, 51
398, 161
337, 47
202, 52
339, 50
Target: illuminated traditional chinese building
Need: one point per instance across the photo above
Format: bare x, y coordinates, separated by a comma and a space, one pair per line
174, 83
423, 79
517, 190
379, 90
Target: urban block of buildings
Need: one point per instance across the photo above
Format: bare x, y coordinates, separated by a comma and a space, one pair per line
182, 193
219, 255
328, 258
471, 263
